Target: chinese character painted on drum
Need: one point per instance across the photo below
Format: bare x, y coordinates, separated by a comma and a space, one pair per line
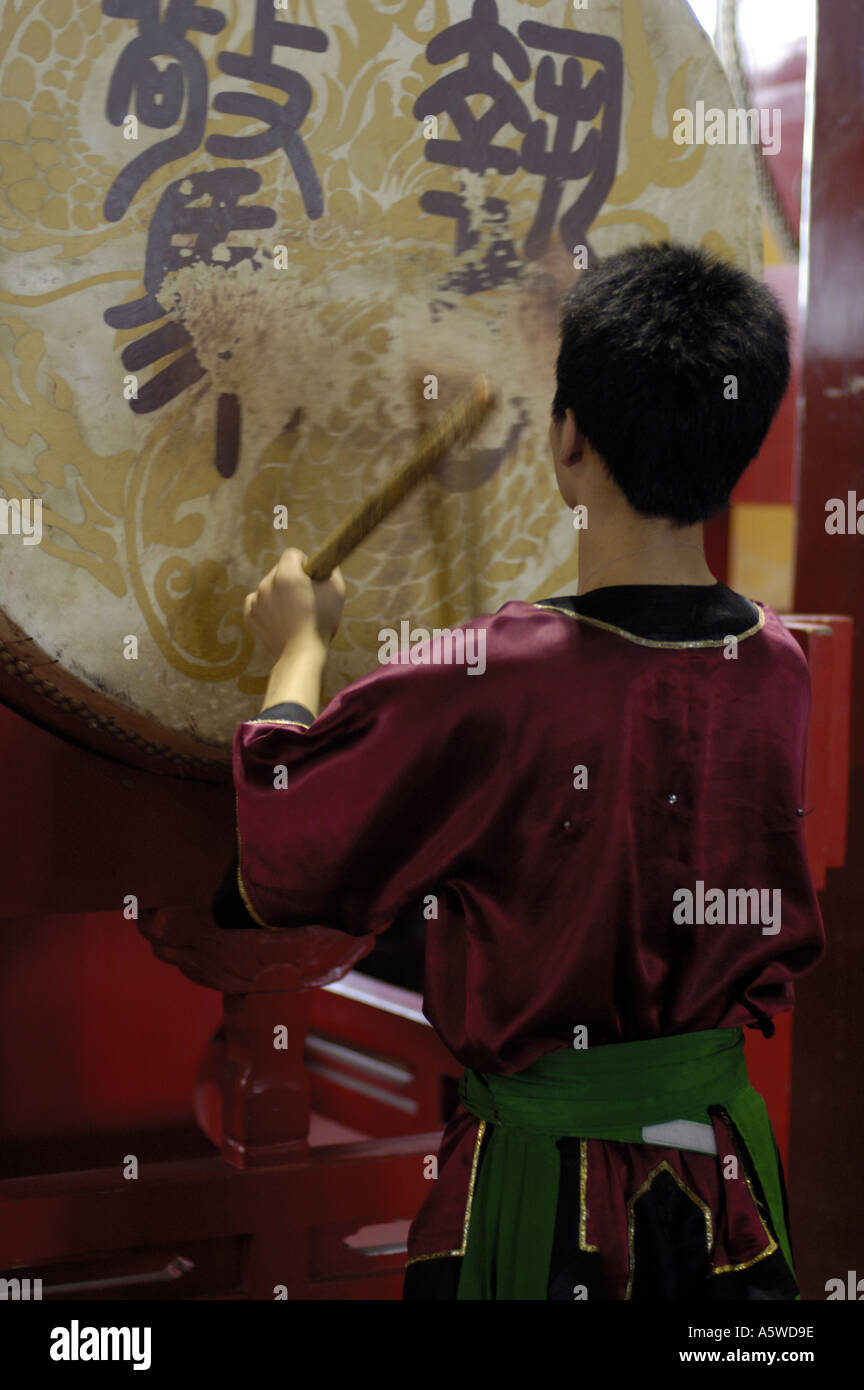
201, 209
557, 160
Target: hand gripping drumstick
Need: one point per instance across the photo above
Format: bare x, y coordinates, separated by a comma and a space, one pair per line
460, 422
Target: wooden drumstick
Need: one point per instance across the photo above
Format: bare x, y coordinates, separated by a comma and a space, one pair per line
460, 422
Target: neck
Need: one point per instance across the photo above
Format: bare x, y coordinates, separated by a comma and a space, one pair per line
640, 551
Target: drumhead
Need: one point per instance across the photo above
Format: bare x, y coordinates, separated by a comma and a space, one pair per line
250, 256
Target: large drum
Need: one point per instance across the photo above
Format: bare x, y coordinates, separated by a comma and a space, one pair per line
252, 251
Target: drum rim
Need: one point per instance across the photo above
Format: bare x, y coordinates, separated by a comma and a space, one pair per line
74, 711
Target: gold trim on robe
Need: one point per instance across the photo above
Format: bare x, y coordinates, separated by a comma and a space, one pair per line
442, 1254
648, 641
631, 1216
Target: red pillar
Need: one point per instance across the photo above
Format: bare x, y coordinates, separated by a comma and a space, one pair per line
827, 1127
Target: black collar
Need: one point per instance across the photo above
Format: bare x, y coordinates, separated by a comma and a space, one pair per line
666, 612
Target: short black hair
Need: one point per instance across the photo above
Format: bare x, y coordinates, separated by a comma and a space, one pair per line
648, 339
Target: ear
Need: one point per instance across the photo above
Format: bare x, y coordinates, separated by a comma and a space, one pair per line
571, 443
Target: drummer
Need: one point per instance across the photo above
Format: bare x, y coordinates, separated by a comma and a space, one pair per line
621, 747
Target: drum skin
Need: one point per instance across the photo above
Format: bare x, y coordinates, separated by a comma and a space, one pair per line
246, 265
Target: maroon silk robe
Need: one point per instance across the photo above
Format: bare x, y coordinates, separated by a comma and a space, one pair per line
546, 811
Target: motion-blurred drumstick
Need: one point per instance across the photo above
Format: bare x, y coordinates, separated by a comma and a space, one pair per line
460, 422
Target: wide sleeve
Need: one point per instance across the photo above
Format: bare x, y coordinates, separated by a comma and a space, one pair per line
228, 908
348, 821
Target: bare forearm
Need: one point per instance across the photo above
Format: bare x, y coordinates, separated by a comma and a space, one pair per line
296, 676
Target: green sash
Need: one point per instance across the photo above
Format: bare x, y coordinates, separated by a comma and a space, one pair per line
597, 1093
